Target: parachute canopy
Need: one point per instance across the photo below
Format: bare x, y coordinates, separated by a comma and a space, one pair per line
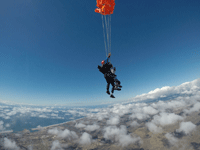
105, 7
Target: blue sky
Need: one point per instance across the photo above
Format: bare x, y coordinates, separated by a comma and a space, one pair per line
49, 50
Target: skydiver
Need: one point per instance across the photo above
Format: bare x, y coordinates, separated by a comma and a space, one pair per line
108, 75
117, 82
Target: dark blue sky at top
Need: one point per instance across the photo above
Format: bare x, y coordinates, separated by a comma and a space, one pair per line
49, 50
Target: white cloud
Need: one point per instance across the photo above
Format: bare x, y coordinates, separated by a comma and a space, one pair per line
85, 139
1, 122
92, 127
119, 135
113, 120
139, 116
41, 110
134, 124
56, 145
125, 140
149, 110
157, 93
40, 127
11, 145
171, 138
18, 135
175, 104
71, 135
94, 110
166, 119
7, 125
53, 131
1, 125
196, 107
54, 115
141, 111
120, 109
186, 127
24, 110
12, 113
73, 112
80, 125
43, 116
187, 88
103, 113
58, 118
34, 114
2, 115
153, 128
30, 147
7, 117
163, 106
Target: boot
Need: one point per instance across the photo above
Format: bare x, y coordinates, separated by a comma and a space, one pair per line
112, 96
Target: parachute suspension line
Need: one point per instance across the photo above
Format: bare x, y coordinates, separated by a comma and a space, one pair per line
104, 35
105, 17
110, 33
106, 23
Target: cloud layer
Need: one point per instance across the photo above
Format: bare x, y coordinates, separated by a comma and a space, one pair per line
186, 89
108, 120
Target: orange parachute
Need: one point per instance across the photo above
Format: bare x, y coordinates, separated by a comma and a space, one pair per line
105, 7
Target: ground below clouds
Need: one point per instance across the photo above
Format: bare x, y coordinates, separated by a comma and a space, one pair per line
156, 126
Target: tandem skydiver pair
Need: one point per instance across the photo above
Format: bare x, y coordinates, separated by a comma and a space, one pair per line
109, 74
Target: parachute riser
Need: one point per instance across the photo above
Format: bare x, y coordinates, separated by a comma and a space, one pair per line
106, 24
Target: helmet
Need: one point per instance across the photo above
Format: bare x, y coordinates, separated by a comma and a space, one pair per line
102, 62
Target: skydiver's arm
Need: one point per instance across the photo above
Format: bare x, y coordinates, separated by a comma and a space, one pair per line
108, 58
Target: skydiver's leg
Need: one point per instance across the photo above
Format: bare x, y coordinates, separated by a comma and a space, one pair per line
108, 86
113, 87
117, 83
107, 91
